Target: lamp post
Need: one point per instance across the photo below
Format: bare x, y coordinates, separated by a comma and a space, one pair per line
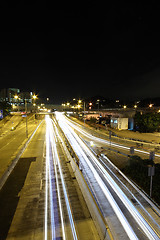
84, 113
98, 104
34, 99
16, 98
26, 118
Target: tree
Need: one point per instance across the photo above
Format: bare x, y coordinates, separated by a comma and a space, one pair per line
6, 107
137, 170
148, 122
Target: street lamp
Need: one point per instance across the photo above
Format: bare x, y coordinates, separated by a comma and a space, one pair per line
90, 105
98, 104
34, 97
16, 98
150, 105
26, 118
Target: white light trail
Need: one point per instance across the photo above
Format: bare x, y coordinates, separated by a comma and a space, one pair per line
46, 189
76, 142
57, 163
127, 187
49, 184
105, 190
78, 127
51, 135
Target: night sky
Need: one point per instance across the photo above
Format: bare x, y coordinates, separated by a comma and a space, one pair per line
81, 49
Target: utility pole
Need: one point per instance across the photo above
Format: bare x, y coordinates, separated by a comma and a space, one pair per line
151, 170
84, 113
151, 173
26, 118
110, 135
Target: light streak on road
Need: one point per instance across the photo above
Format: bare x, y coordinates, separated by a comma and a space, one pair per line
51, 135
106, 191
137, 216
48, 184
53, 228
78, 145
78, 127
127, 187
57, 162
51, 139
46, 189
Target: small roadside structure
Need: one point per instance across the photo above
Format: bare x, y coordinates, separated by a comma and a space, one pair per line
119, 123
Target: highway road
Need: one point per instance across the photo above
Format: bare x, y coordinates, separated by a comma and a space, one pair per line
11, 141
45, 200
43, 196
127, 219
114, 143
66, 216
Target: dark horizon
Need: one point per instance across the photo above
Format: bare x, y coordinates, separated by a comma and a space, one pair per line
82, 50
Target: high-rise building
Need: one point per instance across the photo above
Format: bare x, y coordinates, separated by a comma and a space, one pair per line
15, 96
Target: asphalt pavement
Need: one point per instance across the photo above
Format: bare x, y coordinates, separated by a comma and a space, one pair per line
11, 141
27, 220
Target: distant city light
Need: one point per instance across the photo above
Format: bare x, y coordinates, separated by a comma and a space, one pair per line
16, 97
151, 105
34, 97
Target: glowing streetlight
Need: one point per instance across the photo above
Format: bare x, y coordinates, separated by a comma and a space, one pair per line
124, 106
98, 104
135, 106
34, 97
90, 105
16, 97
150, 105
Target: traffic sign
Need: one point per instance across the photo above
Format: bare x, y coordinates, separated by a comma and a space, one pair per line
1, 114
151, 171
152, 155
131, 150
